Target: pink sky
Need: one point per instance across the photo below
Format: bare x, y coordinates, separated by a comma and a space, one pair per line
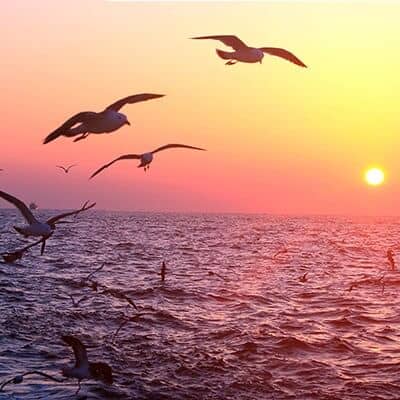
280, 139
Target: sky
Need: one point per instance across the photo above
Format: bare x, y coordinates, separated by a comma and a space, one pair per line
280, 139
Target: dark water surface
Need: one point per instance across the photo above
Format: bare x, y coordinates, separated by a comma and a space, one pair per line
230, 321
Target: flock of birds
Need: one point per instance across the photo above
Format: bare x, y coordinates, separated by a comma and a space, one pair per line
79, 127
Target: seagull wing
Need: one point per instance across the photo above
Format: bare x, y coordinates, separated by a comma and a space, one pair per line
71, 166
172, 146
63, 130
25, 211
136, 98
56, 218
227, 40
60, 166
287, 55
125, 157
79, 349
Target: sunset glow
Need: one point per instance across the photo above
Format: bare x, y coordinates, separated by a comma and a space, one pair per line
267, 128
374, 176
199, 199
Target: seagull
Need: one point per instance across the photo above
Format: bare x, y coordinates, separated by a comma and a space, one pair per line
106, 121
146, 158
66, 169
244, 53
303, 278
83, 369
390, 258
163, 271
35, 227
76, 303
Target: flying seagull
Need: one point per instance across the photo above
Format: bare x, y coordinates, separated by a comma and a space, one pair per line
244, 53
83, 369
66, 169
146, 158
35, 227
106, 121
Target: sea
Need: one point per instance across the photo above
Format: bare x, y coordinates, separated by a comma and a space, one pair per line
252, 307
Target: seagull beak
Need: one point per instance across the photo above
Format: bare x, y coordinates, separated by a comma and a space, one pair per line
128, 123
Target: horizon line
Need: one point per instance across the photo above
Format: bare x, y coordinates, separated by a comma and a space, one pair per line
301, 215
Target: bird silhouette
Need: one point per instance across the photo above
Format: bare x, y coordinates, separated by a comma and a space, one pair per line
244, 53
106, 121
145, 158
36, 227
66, 169
83, 369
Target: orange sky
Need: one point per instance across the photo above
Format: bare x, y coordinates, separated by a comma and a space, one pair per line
280, 139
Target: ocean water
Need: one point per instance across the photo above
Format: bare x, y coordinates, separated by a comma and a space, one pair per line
232, 319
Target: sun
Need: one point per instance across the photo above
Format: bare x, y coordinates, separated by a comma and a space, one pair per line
374, 176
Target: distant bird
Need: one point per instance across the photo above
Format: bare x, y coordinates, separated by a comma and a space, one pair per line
244, 53
390, 258
163, 271
303, 278
35, 227
146, 158
66, 169
76, 303
352, 286
83, 369
106, 121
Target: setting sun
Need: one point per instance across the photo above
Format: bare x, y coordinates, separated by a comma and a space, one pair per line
374, 176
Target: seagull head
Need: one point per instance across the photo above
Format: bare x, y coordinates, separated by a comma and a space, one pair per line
258, 53
122, 119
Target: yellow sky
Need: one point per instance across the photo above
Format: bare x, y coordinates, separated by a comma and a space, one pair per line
280, 139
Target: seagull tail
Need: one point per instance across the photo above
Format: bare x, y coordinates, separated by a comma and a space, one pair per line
225, 55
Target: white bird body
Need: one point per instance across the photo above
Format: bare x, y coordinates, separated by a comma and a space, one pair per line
35, 229
106, 121
145, 159
81, 372
247, 55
